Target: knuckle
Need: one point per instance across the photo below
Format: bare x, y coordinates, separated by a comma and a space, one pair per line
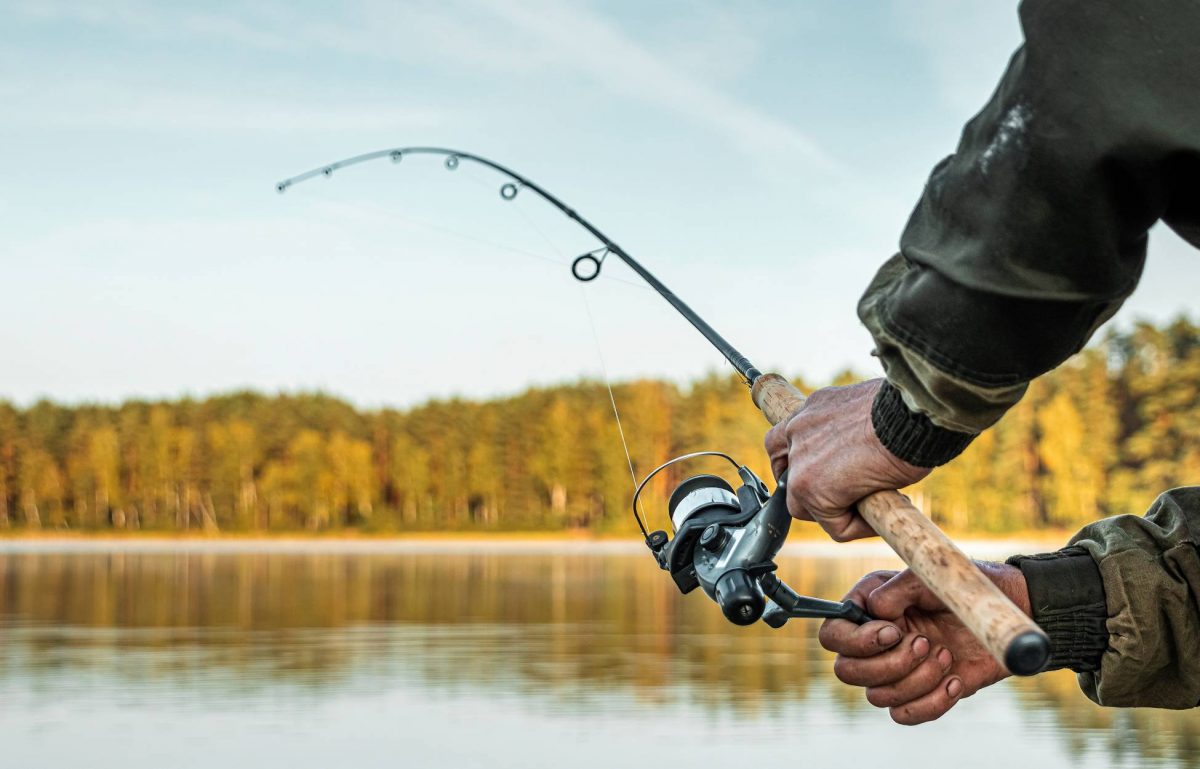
840, 535
920, 683
844, 669
903, 660
827, 636
883, 697
801, 486
911, 713
841, 527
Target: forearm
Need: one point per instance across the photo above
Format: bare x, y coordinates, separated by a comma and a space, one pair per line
957, 360
1151, 572
1034, 232
1121, 604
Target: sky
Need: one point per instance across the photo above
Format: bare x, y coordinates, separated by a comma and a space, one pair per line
761, 158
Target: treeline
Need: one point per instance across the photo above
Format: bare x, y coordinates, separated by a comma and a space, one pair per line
1101, 435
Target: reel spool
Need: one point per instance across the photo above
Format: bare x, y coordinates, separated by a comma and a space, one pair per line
724, 542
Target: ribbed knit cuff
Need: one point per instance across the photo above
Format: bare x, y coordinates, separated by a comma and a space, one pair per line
911, 436
1066, 596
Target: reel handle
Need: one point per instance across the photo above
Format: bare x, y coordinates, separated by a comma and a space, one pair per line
1011, 637
788, 604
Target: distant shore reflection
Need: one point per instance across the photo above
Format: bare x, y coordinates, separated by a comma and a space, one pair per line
566, 628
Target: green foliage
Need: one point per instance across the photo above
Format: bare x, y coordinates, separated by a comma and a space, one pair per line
1101, 435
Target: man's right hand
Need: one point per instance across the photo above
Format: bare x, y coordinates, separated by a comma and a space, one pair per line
834, 459
917, 659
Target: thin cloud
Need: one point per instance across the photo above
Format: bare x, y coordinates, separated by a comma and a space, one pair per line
515, 38
967, 45
598, 49
105, 105
154, 20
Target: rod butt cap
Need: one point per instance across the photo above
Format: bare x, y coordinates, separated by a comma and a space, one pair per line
1028, 653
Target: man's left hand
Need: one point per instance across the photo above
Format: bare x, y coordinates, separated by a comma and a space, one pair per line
916, 658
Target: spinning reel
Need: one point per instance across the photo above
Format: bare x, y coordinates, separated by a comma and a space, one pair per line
724, 542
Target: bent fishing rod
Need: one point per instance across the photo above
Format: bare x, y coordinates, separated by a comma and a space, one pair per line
725, 540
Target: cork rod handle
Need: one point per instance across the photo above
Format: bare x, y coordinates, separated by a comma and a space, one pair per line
1012, 638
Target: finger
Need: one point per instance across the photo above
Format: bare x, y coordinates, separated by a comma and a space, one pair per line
845, 638
932, 706
776, 444
886, 667
841, 524
795, 502
843, 527
927, 676
902, 592
840, 528
776, 439
867, 584
803, 515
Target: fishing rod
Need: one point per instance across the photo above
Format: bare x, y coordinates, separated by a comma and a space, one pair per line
725, 541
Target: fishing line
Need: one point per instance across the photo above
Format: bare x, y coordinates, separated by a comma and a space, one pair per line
557, 262
452, 159
375, 210
587, 306
591, 261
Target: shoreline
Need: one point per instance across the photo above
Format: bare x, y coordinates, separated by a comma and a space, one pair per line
500, 543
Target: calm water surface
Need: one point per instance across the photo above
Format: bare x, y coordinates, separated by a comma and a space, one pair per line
542, 656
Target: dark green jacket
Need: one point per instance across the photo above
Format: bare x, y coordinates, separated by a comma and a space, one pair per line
1024, 242
1121, 604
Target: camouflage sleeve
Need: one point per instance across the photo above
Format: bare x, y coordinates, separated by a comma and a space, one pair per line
1150, 567
1121, 604
1034, 232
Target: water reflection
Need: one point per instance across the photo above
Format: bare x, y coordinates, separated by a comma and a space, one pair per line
430, 651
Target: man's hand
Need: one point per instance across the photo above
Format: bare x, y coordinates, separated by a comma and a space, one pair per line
916, 659
833, 459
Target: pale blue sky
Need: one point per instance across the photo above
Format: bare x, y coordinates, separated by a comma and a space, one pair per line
760, 157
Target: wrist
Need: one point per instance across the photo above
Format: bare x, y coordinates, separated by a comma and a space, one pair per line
912, 436
1011, 581
1066, 599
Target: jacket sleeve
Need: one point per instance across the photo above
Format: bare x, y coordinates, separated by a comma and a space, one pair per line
1121, 604
1034, 232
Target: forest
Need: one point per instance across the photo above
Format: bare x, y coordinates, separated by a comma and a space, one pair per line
1101, 435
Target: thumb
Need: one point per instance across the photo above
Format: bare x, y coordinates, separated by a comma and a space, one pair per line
900, 593
777, 448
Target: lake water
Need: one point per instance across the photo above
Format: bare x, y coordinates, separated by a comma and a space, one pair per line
546, 655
